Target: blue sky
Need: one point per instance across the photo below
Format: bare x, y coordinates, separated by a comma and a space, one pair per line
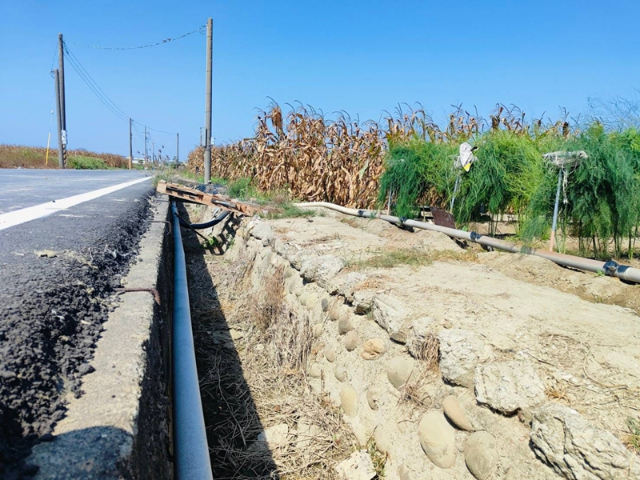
363, 57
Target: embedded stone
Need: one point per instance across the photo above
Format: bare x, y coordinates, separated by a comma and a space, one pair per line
345, 324
349, 401
351, 340
341, 373
330, 353
509, 386
455, 413
437, 439
318, 328
373, 349
480, 455
399, 370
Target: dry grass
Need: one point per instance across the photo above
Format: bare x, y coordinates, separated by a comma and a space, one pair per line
632, 439
428, 351
413, 392
13, 156
258, 380
412, 257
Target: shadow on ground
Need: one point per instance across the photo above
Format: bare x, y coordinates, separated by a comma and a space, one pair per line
230, 413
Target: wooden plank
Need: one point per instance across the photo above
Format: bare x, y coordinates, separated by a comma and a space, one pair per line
193, 195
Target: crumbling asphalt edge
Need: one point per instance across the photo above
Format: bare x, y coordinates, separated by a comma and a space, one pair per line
120, 426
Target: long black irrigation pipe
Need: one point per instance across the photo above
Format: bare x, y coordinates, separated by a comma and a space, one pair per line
609, 268
192, 451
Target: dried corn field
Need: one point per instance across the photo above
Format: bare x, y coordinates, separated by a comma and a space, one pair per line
313, 158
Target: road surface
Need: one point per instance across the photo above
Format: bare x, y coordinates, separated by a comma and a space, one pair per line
66, 240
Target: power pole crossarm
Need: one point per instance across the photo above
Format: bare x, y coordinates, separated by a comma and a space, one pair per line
207, 105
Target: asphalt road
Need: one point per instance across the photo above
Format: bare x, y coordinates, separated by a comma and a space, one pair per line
24, 188
58, 273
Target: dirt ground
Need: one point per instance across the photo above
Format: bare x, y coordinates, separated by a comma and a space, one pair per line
580, 330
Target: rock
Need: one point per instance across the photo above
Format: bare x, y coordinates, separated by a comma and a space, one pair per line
362, 301
345, 324
382, 438
236, 334
508, 386
46, 253
418, 333
576, 449
480, 455
373, 349
262, 231
390, 313
295, 285
330, 353
315, 371
311, 301
351, 341
322, 270
373, 397
437, 438
404, 473
335, 312
357, 467
306, 435
318, 328
272, 438
345, 284
455, 413
460, 352
324, 303
341, 373
303, 298
349, 401
399, 370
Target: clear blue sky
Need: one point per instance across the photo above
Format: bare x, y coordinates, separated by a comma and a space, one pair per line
360, 56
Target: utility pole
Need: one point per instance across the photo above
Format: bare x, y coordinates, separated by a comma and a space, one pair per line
130, 145
56, 75
145, 145
177, 148
153, 152
207, 105
63, 107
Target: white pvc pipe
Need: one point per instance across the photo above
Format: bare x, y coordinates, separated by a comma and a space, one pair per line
609, 268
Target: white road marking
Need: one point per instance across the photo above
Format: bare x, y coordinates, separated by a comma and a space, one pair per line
23, 215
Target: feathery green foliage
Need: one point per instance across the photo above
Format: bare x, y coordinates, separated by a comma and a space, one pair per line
417, 170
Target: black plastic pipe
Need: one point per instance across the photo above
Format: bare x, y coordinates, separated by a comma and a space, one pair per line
192, 450
199, 226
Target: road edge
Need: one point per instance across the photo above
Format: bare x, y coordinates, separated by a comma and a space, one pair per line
120, 426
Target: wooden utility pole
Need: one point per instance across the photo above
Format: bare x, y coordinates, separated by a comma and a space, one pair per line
177, 148
207, 105
63, 105
130, 146
56, 75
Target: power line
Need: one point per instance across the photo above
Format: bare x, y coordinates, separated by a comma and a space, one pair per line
98, 92
155, 129
161, 42
95, 88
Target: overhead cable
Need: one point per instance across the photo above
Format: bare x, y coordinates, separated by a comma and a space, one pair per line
161, 42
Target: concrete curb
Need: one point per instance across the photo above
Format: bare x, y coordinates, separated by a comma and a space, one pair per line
120, 426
